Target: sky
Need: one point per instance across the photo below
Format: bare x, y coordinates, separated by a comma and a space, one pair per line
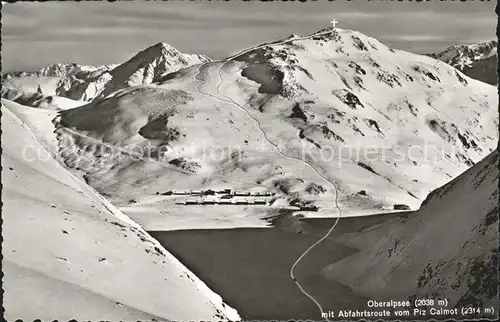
95, 33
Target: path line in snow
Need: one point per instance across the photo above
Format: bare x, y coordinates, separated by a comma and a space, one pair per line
230, 100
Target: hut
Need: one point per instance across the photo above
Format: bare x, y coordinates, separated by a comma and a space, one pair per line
309, 208
401, 207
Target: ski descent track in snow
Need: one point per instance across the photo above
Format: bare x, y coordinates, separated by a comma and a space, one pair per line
230, 100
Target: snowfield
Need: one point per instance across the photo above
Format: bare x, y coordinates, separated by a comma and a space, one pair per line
79, 256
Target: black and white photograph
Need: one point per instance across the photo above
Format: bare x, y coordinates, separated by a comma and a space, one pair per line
250, 160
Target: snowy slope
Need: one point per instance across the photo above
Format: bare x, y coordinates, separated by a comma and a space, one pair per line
78, 256
448, 248
478, 61
278, 108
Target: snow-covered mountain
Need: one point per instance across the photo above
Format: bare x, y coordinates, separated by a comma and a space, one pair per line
478, 61
149, 65
85, 83
69, 254
398, 124
447, 249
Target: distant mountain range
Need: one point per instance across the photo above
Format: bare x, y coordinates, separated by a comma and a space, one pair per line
85, 83
478, 61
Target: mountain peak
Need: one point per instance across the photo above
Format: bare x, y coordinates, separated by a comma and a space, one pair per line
162, 45
155, 51
150, 64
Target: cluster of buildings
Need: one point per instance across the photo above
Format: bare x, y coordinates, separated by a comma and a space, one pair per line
219, 197
221, 202
227, 197
224, 192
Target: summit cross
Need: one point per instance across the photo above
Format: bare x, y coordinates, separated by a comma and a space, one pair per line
334, 22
